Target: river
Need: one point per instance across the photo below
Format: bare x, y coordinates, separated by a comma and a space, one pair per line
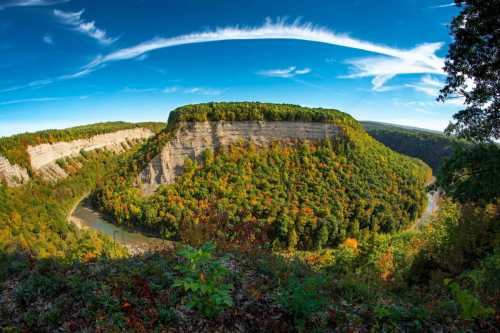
86, 217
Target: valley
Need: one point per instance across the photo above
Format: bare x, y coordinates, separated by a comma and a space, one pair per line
294, 207
249, 166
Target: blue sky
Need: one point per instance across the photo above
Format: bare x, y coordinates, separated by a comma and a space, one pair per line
69, 62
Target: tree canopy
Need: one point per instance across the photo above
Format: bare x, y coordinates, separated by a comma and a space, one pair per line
473, 67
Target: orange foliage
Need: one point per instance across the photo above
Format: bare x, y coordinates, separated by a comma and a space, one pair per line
351, 243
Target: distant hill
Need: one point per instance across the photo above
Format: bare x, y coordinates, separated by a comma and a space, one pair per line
430, 146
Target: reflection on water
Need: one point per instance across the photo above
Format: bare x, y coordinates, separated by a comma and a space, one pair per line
84, 216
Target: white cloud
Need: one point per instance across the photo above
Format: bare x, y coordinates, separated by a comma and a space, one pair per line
427, 85
48, 39
170, 90
138, 90
203, 91
285, 73
421, 59
30, 100
303, 71
193, 90
30, 3
431, 86
384, 68
74, 20
44, 82
452, 4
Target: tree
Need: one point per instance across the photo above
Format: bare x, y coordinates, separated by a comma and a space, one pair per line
472, 174
473, 67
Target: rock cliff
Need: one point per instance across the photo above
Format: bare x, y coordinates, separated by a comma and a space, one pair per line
12, 174
192, 138
43, 157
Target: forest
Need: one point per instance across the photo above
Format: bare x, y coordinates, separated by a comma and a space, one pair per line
323, 236
429, 146
306, 196
297, 236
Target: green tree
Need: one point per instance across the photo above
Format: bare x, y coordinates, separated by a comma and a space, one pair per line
473, 174
473, 67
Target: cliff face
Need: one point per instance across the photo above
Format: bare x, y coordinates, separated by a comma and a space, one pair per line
12, 174
43, 157
192, 138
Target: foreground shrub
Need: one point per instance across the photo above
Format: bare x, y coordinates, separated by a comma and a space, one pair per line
303, 298
204, 280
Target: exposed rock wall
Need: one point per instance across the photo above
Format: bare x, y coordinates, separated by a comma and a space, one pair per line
43, 157
192, 139
12, 174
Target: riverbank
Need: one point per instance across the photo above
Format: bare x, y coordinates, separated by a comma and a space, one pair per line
84, 216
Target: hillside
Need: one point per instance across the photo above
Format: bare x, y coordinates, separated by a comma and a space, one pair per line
432, 147
14, 148
44, 153
297, 177
33, 217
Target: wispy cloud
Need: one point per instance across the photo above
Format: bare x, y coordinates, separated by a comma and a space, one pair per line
47, 39
30, 3
284, 73
170, 90
204, 91
74, 20
427, 85
30, 100
431, 86
452, 4
421, 59
194, 90
384, 68
138, 90
44, 82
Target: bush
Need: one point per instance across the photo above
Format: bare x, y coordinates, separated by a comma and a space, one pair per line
303, 298
204, 279
471, 306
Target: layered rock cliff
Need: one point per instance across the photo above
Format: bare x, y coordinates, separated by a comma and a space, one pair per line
43, 157
192, 138
12, 174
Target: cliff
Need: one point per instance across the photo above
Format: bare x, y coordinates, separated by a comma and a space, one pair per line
12, 174
192, 138
43, 157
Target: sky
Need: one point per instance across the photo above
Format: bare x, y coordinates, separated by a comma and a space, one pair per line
70, 62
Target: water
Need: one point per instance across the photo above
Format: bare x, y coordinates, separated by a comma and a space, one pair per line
432, 205
85, 216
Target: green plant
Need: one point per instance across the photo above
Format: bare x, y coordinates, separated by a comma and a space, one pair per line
471, 306
204, 279
303, 297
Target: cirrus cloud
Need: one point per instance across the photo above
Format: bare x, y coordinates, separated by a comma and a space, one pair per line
390, 62
89, 28
30, 3
285, 73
